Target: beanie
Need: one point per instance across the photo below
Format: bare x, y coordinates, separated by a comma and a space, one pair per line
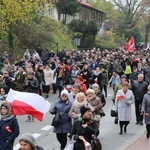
6, 105
124, 76
77, 85
95, 86
84, 109
28, 138
64, 92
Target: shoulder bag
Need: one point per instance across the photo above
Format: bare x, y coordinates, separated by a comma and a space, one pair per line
57, 120
96, 144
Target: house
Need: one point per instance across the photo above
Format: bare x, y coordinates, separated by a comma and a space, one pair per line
86, 13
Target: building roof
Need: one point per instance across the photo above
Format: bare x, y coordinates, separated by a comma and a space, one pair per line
87, 5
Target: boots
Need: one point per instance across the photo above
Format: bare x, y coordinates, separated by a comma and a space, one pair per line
29, 119
125, 129
120, 131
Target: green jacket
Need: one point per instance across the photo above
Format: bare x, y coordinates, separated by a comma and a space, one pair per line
104, 80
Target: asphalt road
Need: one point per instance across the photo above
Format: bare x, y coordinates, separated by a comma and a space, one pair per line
109, 132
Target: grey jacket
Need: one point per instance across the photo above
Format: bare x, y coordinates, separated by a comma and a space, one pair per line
146, 107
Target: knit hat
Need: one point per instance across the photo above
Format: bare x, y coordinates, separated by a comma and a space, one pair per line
31, 73
95, 85
125, 83
6, 105
84, 109
64, 92
124, 76
28, 138
77, 85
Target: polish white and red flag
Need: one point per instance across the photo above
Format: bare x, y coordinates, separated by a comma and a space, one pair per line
23, 103
130, 45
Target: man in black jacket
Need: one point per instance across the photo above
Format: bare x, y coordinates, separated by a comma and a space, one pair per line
139, 88
134, 75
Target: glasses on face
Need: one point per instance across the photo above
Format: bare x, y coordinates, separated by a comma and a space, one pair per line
64, 95
2, 91
4, 108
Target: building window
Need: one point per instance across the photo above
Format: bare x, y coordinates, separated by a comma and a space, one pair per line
51, 12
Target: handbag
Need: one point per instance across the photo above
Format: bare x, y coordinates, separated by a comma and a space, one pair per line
96, 144
70, 144
102, 114
116, 120
57, 120
113, 113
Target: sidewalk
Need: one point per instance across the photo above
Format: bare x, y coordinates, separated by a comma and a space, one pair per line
140, 144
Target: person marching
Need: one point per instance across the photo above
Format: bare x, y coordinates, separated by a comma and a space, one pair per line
9, 128
123, 101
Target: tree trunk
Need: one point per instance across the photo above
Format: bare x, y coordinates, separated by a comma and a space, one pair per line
11, 44
147, 34
59, 14
65, 18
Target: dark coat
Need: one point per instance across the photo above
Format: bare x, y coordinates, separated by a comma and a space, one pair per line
67, 78
139, 89
63, 107
78, 130
7, 137
32, 87
134, 76
93, 66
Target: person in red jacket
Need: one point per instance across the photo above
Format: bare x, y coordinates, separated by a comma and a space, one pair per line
80, 81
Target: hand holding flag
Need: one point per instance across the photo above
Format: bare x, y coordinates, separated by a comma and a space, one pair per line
120, 97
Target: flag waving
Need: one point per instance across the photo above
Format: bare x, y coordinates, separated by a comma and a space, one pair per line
23, 103
130, 45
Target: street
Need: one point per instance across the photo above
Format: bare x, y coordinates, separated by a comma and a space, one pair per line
109, 132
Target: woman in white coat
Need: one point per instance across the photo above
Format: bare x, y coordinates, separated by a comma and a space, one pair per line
123, 101
48, 78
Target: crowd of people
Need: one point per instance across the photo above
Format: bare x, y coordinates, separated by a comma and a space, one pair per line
81, 79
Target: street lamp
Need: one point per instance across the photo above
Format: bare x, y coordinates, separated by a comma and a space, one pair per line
77, 42
102, 29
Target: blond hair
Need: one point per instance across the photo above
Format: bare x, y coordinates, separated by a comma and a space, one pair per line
80, 94
90, 91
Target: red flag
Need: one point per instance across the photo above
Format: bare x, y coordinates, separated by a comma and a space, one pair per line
120, 97
130, 45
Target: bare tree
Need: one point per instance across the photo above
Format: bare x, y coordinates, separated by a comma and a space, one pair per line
131, 11
147, 24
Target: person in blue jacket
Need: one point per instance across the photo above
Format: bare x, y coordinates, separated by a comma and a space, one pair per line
9, 128
62, 106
